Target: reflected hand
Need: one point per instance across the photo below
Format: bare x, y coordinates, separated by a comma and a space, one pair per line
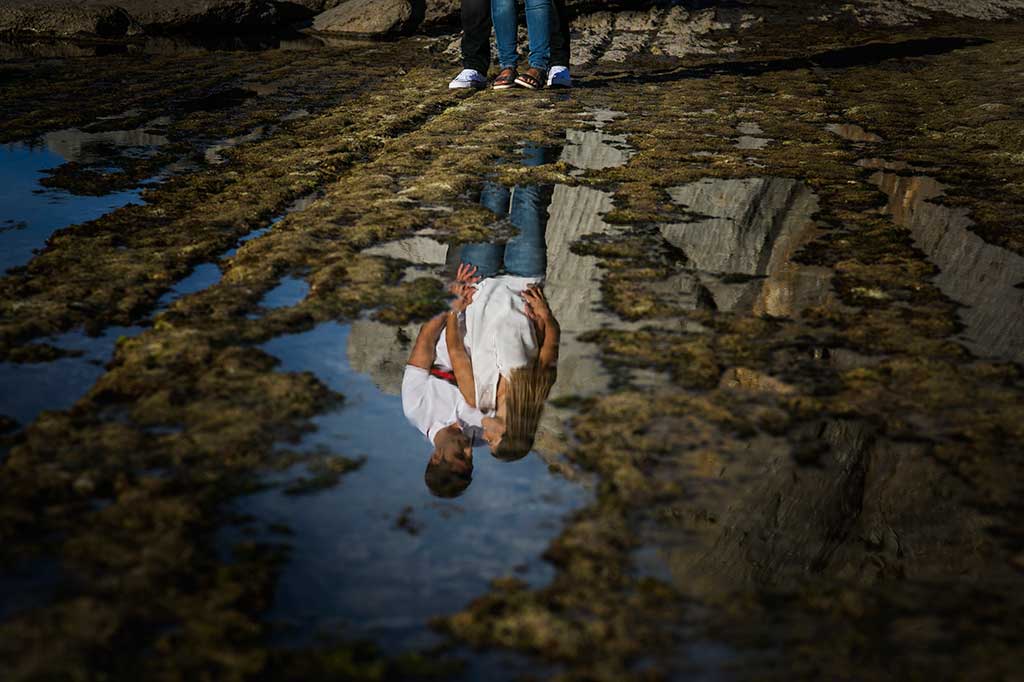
464, 294
466, 274
462, 287
537, 307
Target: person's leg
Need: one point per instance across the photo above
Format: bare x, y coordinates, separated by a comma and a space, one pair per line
538, 154
538, 23
476, 35
485, 256
560, 34
503, 16
526, 254
495, 197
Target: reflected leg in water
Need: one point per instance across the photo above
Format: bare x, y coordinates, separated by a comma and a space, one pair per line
526, 253
496, 198
538, 155
487, 257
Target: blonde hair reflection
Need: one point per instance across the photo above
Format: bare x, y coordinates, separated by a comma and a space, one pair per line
528, 388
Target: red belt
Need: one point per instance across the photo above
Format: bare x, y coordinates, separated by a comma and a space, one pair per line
443, 374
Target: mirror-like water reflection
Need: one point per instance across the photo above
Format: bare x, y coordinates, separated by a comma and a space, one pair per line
32, 213
984, 278
740, 246
378, 556
30, 388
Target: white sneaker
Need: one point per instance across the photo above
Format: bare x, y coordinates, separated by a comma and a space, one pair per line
558, 77
468, 78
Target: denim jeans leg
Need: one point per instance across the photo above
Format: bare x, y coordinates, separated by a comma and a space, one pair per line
503, 16
538, 23
538, 155
486, 257
495, 198
526, 254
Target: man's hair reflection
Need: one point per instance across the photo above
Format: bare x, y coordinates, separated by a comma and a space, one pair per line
450, 469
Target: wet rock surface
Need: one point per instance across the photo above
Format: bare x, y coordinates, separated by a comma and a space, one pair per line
790, 374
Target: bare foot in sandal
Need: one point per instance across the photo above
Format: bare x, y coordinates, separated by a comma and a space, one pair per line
506, 79
533, 78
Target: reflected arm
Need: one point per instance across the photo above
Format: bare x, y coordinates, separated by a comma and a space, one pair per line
551, 335
423, 350
462, 366
549, 332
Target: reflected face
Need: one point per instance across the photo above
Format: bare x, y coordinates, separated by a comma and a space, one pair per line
456, 454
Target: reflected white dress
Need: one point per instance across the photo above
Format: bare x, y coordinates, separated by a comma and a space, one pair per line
499, 336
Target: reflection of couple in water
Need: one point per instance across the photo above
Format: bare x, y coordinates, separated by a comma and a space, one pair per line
482, 371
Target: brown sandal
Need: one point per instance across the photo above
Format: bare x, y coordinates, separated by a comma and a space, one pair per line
506, 79
533, 78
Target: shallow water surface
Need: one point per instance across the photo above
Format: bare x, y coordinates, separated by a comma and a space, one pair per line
986, 279
378, 555
30, 388
290, 291
31, 213
740, 245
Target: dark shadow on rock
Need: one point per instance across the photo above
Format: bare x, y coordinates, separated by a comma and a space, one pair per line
841, 58
216, 101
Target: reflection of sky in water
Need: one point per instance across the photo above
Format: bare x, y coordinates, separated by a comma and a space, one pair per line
255, 234
351, 567
30, 214
204, 275
30, 388
291, 291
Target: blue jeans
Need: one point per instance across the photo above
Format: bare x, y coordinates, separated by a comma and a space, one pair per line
526, 207
525, 255
538, 18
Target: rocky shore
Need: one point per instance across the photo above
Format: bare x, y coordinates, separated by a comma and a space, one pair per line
785, 245
110, 19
